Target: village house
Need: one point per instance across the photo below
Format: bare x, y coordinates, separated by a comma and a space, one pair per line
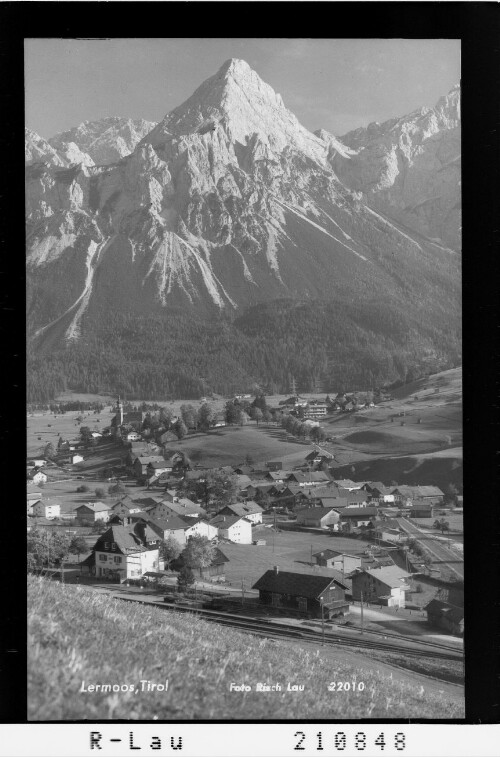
93, 511
420, 509
120, 553
274, 465
173, 526
346, 483
140, 464
37, 477
233, 528
199, 527
318, 517
132, 436
445, 616
75, 459
128, 519
181, 506
352, 517
126, 504
386, 586
302, 594
308, 478
278, 476
37, 463
316, 410
45, 509
248, 509
158, 467
331, 558
387, 530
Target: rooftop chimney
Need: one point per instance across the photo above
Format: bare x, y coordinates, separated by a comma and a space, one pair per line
276, 569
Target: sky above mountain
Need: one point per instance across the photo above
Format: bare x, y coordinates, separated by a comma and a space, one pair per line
335, 84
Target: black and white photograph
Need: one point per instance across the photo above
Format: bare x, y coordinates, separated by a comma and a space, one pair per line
244, 379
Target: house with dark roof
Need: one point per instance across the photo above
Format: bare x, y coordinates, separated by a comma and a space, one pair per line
274, 465
308, 478
420, 509
446, 616
181, 506
247, 509
386, 586
93, 511
332, 558
140, 464
173, 526
302, 594
354, 517
125, 552
318, 517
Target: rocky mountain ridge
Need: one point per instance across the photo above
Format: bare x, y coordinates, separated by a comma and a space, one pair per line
410, 168
228, 202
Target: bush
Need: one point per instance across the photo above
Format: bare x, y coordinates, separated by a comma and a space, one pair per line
82, 488
100, 493
419, 589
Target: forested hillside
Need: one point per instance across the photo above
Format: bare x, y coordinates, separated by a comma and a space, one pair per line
323, 345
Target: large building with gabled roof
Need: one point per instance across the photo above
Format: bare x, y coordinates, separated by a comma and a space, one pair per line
303, 594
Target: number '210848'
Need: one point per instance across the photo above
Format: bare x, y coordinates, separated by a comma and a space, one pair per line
339, 741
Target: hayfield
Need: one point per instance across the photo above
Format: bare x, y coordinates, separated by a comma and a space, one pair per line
77, 636
230, 445
290, 550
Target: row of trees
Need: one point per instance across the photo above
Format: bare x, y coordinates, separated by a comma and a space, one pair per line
302, 430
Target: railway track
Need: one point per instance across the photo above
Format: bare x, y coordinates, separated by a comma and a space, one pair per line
283, 631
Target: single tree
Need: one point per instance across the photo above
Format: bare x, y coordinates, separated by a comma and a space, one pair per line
198, 552
85, 433
77, 546
49, 451
258, 414
206, 416
82, 488
179, 428
100, 492
170, 549
189, 416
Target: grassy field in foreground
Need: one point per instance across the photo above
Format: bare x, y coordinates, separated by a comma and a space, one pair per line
76, 636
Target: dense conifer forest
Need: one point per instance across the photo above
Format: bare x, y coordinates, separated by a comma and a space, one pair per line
325, 346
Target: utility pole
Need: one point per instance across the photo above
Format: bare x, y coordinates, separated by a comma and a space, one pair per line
322, 622
242, 591
311, 555
361, 612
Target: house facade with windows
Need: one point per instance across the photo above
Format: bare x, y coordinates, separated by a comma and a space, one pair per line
233, 528
248, 509
93, 511
303, 594
46, 510
386, 585
318, 517
121, 553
